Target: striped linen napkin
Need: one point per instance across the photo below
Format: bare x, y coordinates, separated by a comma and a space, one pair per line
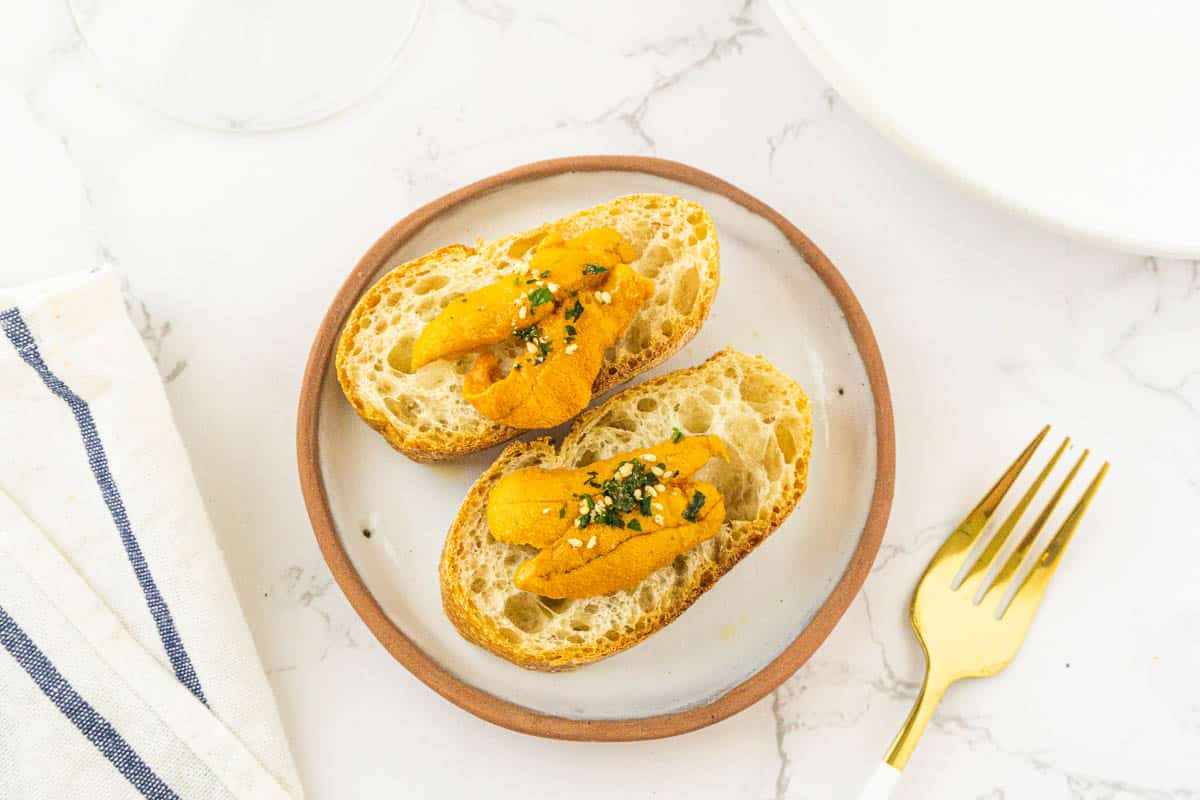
126, 667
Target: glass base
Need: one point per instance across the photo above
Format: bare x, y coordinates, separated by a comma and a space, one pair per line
247, 65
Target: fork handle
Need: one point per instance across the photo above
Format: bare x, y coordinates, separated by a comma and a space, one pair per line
887, 774
882, 783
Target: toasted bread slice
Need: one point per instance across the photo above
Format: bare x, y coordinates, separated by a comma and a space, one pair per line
765, 420
423, 414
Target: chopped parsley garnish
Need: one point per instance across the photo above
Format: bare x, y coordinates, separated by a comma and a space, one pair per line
562, 512
676, 434
571, 332
594, 269
529, 334
517, 281
610, 517
624, 493
540, 296
543, 351
574, 312
516, 366
531, 280
545, 274
693, 507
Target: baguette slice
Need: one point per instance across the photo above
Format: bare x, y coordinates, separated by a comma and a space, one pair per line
764, 418
423, 413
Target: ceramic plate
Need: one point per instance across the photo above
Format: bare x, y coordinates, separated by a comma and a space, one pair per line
1080, 113
780, 297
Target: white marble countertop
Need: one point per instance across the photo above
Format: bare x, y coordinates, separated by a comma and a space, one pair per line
234, 243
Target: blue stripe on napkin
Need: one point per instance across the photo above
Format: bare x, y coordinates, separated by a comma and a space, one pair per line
96, 728
18, 333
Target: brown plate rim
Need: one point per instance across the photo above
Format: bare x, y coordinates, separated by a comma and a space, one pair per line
477, 701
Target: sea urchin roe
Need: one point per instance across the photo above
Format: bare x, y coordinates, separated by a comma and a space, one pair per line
622, 556
487, 316
630, 520
561, 386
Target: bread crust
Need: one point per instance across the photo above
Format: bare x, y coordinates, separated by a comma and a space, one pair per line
491, 634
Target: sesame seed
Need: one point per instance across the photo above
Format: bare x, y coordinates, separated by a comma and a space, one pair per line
605, 298
553, 287
658, 519
649, 457
571, 348
591, 542
530, 346
546, 510
657, 471
608, 501
521, 314
599, 295
657, 506
574, 542
650, 491
637, 494
660, 488
579, 522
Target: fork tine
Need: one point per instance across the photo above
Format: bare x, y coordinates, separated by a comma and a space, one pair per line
963, 536
1001, 584
1043, 569
974, 575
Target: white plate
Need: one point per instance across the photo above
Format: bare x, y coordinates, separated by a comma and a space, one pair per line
1084, 114
770, 302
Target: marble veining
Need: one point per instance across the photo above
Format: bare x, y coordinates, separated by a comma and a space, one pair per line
990, 326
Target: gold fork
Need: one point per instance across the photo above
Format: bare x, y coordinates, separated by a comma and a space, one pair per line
960, 620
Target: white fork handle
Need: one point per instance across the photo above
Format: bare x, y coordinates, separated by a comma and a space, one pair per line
882, 783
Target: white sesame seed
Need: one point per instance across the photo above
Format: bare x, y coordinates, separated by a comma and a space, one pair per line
579, 522
571, 348
605, 298
658, 519
608, 501
574, 542
583, 509
530, 346
521, 314
637, 494
657, 471
669, 474
650, 491
546, 510
660, 488
649, 457
599, 295
553, 287
657, 506
591, 542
